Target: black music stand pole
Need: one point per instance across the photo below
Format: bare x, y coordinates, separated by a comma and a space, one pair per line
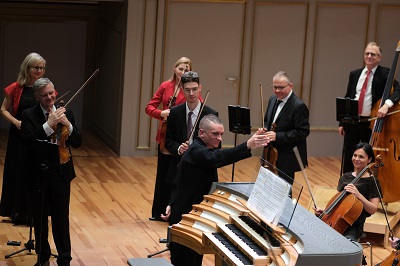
163, 240
239, 123
27, 246
346, 113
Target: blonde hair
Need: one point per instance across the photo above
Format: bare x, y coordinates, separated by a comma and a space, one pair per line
31, 60
182, 60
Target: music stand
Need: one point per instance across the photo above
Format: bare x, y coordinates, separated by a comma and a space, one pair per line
346, 113
239, 123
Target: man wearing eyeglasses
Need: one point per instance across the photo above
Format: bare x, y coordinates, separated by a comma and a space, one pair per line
182, 119
366, 85
286, 123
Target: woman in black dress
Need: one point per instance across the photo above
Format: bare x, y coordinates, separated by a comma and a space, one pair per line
365, 190
16, 181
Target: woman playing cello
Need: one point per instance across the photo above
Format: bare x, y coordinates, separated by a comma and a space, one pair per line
365, 190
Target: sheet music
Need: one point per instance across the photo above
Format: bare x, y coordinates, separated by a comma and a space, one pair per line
269, 196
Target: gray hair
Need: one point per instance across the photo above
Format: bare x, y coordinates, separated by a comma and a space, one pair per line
374, 44
41, 83
206, 121
282, 74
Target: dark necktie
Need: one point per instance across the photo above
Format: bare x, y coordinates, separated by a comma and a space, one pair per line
47, 116
362, 93
189, 124
274, 110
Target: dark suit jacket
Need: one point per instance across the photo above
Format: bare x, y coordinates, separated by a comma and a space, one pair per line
35, 138
176, 134
292, 130
196, 172
377, 87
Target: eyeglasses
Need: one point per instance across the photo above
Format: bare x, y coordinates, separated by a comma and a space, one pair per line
279, 87
37, 68
371, 54
194, 90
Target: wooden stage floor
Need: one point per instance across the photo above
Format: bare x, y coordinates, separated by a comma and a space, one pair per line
111, 201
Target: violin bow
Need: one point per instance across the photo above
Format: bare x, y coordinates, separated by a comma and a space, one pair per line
62, 96
198, 117
296, 152
83, 86
262, 106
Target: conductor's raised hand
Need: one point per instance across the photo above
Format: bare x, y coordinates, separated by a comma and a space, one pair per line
259, 139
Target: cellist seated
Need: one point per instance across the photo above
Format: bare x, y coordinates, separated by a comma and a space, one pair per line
365, 189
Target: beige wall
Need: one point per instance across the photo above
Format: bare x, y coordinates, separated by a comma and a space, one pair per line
317, 42
235, 45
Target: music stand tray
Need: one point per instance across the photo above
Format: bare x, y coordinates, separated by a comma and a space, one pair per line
239, 119
346, 110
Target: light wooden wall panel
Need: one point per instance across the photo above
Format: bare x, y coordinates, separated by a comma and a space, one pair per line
279, 40
340, 36
210, 33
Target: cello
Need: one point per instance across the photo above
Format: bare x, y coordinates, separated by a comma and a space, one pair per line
385, 140
344, 208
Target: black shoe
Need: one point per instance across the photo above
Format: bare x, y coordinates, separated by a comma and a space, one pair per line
159, 219
46, 263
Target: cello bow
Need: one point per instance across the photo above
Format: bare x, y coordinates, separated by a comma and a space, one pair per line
296, 152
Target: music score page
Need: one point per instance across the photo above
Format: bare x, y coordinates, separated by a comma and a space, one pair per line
269, 196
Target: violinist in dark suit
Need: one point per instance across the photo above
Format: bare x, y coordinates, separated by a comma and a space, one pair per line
177, 134
51, 177
290, 114
374, 87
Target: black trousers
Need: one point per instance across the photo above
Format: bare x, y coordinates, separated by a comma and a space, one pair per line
184, 256
162, 190
354, 134
51, 197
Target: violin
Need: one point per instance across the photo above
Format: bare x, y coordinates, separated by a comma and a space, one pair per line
163, 123
344, 208
393, 259
270, 153
61, 133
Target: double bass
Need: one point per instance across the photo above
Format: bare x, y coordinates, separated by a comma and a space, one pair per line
344, 208
385, 140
